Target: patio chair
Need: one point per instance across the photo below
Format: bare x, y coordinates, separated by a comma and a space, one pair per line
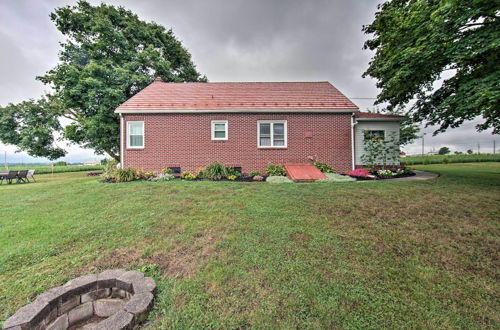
10, 176
3, 175
22, 176
31, 175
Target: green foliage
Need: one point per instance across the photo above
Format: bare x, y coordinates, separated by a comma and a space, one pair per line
416, 42
254, 173
275, 170
231, 171
163, 177
61, 163
324, 167
29, 125
126, 175
200, 173
46, 169
439, 159
110, 169
215, 171
108, 55
446, 160
444, 151
166, 170
469, 151
377, 151
186, 175
278, 179
334, 177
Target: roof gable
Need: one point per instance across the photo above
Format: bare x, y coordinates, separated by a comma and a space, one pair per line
162, 96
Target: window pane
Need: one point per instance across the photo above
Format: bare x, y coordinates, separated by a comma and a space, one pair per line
219, 134
136, 140
220, 127
265, 141
265, 129
279, 143
135, 129
279, 128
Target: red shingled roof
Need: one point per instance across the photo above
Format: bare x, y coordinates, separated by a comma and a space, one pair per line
166, 96
376, 115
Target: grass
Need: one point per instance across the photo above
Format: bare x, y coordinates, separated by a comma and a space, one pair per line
46, 169
445, 159
234, 255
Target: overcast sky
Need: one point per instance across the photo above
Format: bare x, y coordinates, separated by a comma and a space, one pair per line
230, 40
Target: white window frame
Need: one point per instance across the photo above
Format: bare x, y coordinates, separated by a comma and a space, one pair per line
128, 134
226, 125
272, 122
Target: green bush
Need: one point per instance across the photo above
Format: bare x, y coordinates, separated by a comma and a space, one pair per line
61, 163
166, 170
163, 177
216, 171
186, 175
324, 167
275, 170
231, 171
126, 175
110, 169
254, 173
446, 160
334, 177
278, 179
458, 158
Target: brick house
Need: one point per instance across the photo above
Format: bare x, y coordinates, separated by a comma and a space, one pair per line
186, 126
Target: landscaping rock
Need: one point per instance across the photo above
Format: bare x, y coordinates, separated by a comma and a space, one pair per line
107, 279
71, 303
139, 305
119, 293
94, 295
119, 321
145, 285
126, 279
61, 323
28, 316
107, 307
80, 313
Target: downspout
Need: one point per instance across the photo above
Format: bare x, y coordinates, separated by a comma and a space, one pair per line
353, 124
121, 142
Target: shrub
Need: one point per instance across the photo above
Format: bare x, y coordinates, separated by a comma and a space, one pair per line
275, 170
126, 175
147, 175
334, 177
446, 160
216, 171
231, 171
186, 175
232, 177
200, 173
110, 169
360, 173
60, 163
258, 178
163, 177
324, 167
254, 173
385, 174
166, 170
278, 179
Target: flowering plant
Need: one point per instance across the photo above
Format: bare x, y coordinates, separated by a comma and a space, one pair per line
359, 172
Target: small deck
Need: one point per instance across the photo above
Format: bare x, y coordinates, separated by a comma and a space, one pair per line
303, 172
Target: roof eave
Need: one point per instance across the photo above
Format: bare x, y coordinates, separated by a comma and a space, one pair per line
380, 119
137, 111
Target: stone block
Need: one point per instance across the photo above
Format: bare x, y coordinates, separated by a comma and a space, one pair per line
69, 304
61, 323
125, 280
81, 313
94, 295
80, 285
122, 320
139, 305
145, 285
29, 316
118, 293
107, 279
107, 307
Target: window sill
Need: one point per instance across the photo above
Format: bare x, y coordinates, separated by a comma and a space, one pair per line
271, 148
134, 148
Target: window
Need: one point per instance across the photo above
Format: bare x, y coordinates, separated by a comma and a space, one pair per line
219, 129
135, 134
271, 133
375, 134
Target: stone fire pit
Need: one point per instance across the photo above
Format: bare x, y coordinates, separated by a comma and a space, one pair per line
113, 299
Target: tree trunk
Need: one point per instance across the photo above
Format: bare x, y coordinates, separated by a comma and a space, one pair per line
112, 155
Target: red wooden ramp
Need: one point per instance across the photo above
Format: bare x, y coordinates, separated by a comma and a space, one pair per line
303, 172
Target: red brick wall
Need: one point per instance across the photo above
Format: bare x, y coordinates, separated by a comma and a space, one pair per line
184, 140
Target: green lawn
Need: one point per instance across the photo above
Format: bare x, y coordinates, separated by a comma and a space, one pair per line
236, 255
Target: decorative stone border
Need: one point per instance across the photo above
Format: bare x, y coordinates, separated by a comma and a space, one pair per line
122, 297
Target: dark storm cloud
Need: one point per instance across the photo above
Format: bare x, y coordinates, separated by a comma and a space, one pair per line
230, 40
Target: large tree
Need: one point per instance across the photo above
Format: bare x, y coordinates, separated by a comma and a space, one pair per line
108, 56
439, 57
